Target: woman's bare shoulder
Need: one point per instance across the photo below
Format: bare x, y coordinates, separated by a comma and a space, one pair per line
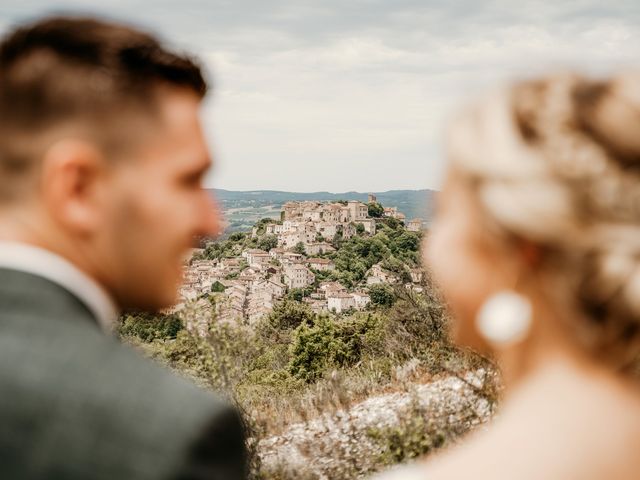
511, 447
405, 472
479, 458
550, 431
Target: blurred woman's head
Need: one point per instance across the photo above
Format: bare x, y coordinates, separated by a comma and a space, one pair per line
543, 197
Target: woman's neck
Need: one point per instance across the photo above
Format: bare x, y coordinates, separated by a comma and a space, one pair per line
549, 353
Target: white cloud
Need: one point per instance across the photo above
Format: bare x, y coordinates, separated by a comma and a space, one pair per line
338, 95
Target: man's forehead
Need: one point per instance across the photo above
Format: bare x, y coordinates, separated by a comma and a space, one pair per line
178, 132
178, 105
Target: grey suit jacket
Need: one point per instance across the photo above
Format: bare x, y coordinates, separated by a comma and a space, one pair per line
76, 404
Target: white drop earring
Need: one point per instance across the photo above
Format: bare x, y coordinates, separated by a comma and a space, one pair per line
504, 318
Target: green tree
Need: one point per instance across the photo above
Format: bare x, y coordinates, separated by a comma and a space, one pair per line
237, 236
288, 314
328, 344
149, 327
262, 223
375, 209
398, 266
267, 242
350, 266
226, 248
393, 223
382, 295
217, 287
299, 248
405, 242
296, 294
337, 240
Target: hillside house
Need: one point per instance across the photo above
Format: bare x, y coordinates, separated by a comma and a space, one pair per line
313, 215
377, 274
393, 212
369, 225
231, 264
329, 288
348, 230
416, 275
188, 293
415, 225
259, 304
259, 259
357, 210
339, 302
292, 257
291, 239
271, 286
361, 300
297, 275
321, 264
326, 229
276, 253
319, 248
274, 228
317, 305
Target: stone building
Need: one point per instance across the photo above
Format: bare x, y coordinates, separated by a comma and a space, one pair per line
297, 275
415, 225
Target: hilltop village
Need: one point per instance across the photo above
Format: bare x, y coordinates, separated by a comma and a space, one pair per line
309, 321
300, 257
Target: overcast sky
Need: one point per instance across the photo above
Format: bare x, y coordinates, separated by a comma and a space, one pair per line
354, 95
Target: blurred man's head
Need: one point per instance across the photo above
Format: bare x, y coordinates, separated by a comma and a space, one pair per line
102, 153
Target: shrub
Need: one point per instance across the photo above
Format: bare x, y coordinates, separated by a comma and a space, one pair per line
298, 294
330, 344
148, 327
237, 236
413, 437
262, 223
375, 210
287, 315
382, 295
267, 242
299, 248
393, 223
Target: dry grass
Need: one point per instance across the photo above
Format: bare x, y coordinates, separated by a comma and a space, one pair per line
320, 428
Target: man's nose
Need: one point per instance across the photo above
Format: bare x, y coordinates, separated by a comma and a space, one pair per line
211, 217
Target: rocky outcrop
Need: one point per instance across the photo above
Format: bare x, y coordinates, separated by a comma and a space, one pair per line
352, 443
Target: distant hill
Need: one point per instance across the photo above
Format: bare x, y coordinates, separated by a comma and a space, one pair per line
243, 208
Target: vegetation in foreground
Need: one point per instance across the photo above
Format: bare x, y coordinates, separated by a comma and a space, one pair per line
299, 367
296, 365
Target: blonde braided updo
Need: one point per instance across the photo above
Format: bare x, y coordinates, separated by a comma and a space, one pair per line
556, 161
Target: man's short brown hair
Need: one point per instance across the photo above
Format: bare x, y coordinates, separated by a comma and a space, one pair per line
86, 71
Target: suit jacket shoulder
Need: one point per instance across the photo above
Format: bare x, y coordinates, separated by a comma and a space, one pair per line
76, 403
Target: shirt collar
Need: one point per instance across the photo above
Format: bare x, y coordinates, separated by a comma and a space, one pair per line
53, 267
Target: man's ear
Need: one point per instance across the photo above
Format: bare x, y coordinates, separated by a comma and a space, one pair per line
72, 175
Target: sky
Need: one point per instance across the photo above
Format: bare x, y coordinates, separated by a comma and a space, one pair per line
343, 95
